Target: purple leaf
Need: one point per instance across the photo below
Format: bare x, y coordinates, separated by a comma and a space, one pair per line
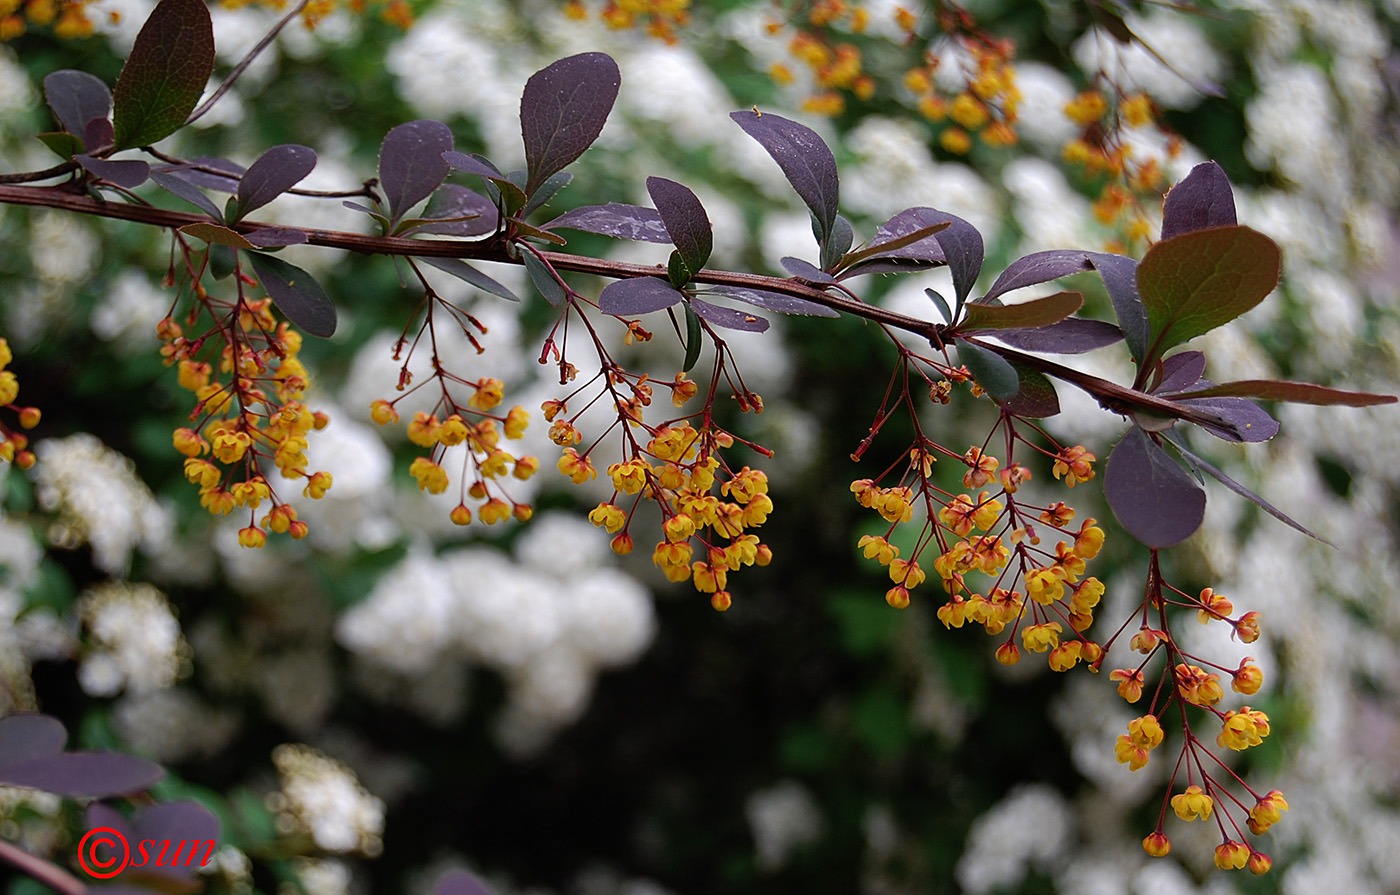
1039, 267
460, 882
172, 182
1034, 313
563, 110
1154, 499
543, 278
1072, 336
1201, 200
465, 272
411, 164
887, 265
98, 135
891, 244
806, 161
165, 74
275, 171
76, 98
178, 837
28, 736
616, 220
472, 164
127, 173
775, 301
908, 221
1119, 274
1296, 392
274, 237
1192, 283
728, 317
804, 270
1244, 492
961, 245
84, 774
1036, 398
685, 220
1244, 420
226, 182
477, 212
296, 294
638, 295
1181, 371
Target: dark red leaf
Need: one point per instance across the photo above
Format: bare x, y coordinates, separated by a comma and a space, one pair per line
805, 270
275, 237
296, 294
476, 213
1072, 336
127, 173
225, 182
891, 246
638, 295
460, 882
728, 317
76, 98
1296, 392
685, 220
889, 240
1244, 420
472, 164
775, 301
165, 74
1037, 312
563, 110
275, 171
1040, 267
28, 736
1119, 275
1181, 371
1244, 492
173, 182
84, 774
805, 159
411, 165
616, 220
1202, 199
465, 272
1153, 498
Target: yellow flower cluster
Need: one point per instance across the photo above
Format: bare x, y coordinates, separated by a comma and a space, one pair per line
660, 18
248, 410
480, 431
14, 446
679, 470
986, 107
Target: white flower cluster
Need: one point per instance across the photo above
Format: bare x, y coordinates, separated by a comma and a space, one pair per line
99, 501
548, 621
136, 640
1029, 829
323, 798
781, 818
1139, 66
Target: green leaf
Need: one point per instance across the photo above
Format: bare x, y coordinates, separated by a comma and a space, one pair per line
1280, 390
63, 145
1035, 398
1037, 312
544, 280
1192, 283
213, 233
996, 376
165, 75
296, 294
693, 339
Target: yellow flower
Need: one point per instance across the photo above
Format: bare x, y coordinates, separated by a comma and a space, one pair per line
1198, 686
1044, 586
1129, 683
431, 477
494, 510
252, 537
1213, 606
517, 421
608, 517
1193, 804
1243, 729
629, 477
1231, 855
1065, 656
1247, 679
1039, 638
1267, 811
578, 469
1073, 465
318, 484
489, 393
1157, 844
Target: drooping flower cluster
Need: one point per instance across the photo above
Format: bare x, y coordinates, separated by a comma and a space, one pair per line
248, 384
659, 18
14, 446
1189, 680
